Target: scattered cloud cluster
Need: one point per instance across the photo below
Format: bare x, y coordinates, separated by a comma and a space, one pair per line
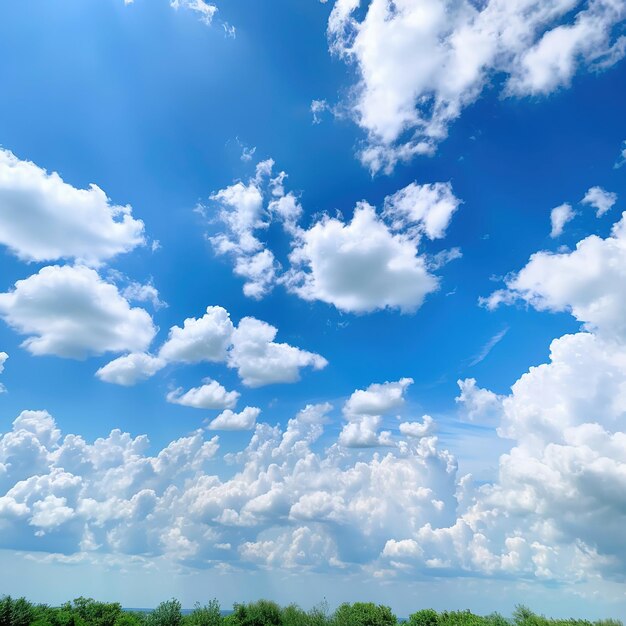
370, 262
204, 10
248, 347
589, 282
452, 51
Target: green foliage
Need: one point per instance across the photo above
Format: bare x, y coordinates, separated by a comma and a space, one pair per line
208, 615
261, 613
168, 613
90, 612
363, 614
425, 617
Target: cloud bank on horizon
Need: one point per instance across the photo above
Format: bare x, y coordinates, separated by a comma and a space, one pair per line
232, 368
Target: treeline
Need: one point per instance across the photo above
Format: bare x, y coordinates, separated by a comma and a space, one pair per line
88, 612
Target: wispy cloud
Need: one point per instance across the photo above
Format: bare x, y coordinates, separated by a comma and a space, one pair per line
488, 347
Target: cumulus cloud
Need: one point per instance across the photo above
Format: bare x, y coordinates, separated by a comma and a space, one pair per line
359, 266
204, 339
229, 420
211, 395
62, 494
417, 430
420, 63
429, 208
72, 312
377, 399
477, 404
364, 410
46, 219
559, 216
371, 262
589, 282
243, 213
601, 200
130, 369
248, 347
260, 361
139, 292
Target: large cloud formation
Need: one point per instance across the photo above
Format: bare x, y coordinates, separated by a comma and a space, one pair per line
373, 261
421, 62
248, 347
44, 218
70, 311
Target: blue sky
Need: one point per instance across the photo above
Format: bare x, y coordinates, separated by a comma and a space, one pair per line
412, 326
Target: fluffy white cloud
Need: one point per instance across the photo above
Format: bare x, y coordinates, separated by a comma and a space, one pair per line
364, 410
377, 399
65, 495
248, 347
211, 395
589, 282
130, 369
559, 216
420, 62
243, 213
71, 311
417, 429
359, 266
478, 405
428, 208
44, 218
600, 199
369, 263
204, 339
229, 420
260, 361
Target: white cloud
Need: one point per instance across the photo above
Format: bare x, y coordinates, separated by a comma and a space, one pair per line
204, 10
318, 107
248, 347
478, 405
369, 263
559, 216
211, 395
138, 292
64, 495
359, 266
229, 420
377, 399
242, 211
428, 208
600, 200
417, 430
421, 62
260, 361
44, 218
364, 410
589, 282
203, 339
71, 312
3, 358
130, 369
